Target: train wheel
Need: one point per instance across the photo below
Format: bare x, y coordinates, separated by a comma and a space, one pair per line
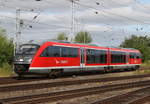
55, 73
20, 76
136, 67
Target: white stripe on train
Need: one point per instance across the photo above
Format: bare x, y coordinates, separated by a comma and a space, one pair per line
67, 67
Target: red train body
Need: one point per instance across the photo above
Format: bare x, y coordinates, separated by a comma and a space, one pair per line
54, 58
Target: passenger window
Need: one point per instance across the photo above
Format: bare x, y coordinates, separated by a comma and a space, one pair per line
135, 55
96, 56
69, 52
55, 51
64, 52
45, 53
118, 57
51, 51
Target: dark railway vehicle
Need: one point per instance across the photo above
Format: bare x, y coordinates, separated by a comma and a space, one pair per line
54, 58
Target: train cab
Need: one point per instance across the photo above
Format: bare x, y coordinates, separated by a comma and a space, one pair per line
23, 57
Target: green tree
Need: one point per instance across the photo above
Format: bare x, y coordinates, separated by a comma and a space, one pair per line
6, 48
141, 43
83, 37
61, 36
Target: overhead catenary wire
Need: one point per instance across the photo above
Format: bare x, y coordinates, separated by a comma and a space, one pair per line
33, 22
29, 24
3, 5
55, 25
30, 21
108, 12
97, 10
97, 3
92, 9
131, 19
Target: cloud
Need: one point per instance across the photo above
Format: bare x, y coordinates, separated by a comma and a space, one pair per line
53, 17
97, 28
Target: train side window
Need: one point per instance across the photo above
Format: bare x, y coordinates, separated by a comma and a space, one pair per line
103, 56
64, 52
138, 56
54, 51
45, 53
51, 51
131, 55
89, 56
135, 55
74, 52
92, 55
118, 57
69, 52
96, 56
113, 57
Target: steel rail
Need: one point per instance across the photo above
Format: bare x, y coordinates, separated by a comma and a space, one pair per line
66, 83
133, 97
68, 94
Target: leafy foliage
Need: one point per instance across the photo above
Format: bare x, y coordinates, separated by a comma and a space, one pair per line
141, 43
6, 70
6, 48
83, 37
62, 36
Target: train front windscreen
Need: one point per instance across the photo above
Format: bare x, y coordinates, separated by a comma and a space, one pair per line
27, 49
25, 53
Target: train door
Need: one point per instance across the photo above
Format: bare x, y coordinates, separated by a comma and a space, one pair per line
82, 57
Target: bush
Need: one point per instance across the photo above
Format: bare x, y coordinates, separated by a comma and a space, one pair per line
6, 70
83, 37
6, 54
6, 48
141, 43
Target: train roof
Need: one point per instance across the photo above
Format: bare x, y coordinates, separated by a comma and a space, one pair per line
40, 42
62, 42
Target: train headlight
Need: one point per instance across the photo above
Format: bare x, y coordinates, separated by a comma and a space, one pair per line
20, 59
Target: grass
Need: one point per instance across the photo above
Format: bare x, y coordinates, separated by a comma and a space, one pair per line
142, 72
147, 63
146, 69
6, 70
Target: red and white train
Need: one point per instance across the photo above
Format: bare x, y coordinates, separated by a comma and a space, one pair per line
54, 58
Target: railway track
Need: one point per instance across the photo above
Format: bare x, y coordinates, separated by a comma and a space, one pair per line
65, 83
68, 94
143, 100
144, 68
134, 97
15, 80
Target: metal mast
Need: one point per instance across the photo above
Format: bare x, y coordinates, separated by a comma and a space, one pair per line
18, 29
72, 21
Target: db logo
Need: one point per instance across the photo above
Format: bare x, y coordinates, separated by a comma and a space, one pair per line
57, 62
61, 61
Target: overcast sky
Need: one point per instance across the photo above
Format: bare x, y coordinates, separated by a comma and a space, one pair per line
108, 21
